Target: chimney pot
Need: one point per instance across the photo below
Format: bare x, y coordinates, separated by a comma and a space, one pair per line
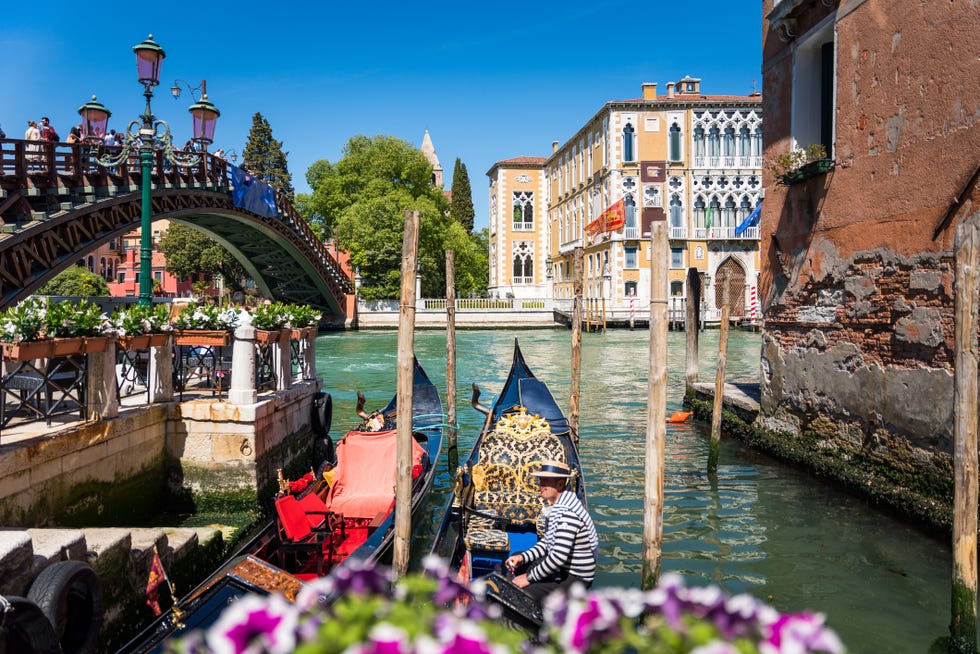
670, 89
554, 146
649, 90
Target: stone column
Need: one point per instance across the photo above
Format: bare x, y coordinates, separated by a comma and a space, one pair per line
242, 389
102, 399
282, 361
160, 372
308, 356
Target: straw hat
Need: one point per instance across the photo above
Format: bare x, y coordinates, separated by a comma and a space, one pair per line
555, 469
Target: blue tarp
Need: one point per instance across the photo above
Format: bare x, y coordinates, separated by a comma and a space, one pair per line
751, 221
252, 193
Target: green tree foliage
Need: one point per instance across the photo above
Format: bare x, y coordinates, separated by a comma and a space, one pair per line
361, 200
76, 282
190, 251
461, 208
263, 156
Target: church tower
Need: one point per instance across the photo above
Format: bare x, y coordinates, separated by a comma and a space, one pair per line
430, 153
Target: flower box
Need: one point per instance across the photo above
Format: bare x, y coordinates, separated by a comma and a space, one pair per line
212, 337
141, 341
808, 170
302, 333
28, 350
78, 345
267, 336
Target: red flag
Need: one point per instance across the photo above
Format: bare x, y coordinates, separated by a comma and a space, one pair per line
157, 577
609, 220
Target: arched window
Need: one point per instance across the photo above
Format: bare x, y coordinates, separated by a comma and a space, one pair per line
523, 210
744, 142
744, 209
523, 262
714, 142
628, 142
728, 214
676, 211
91, 263
757, 142
714, 212
102, 268
630, 205
699, 141
729, 144
699, 209
674, 143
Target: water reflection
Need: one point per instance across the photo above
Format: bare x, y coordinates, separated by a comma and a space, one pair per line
756, 526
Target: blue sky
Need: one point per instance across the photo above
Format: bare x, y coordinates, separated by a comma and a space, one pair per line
490, 81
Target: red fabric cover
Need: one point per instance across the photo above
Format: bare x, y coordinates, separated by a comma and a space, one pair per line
314, 508
364, 481
292, 518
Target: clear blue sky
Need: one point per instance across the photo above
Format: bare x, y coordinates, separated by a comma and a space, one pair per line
489, 81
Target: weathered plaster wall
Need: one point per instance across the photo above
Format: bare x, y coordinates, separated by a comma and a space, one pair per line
857, 287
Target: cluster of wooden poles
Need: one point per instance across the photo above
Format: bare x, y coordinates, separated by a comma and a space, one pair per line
967, 259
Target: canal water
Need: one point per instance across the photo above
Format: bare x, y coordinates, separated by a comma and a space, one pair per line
758, 526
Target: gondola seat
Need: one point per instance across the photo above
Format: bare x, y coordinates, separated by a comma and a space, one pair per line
299, 537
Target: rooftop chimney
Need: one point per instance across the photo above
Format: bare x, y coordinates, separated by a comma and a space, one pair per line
649, 90
554, 146
670, 89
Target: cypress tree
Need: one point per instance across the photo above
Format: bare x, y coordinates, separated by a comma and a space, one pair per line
461, 208
264, 156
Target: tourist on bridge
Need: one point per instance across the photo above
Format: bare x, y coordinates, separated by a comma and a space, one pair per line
567, 553
32, 134
48, 133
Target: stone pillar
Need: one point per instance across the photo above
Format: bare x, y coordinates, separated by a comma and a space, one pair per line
102, 399
160, 372
308, 357
242, 389
282, 360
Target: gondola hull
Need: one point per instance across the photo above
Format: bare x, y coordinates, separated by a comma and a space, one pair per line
493, 509
260, 566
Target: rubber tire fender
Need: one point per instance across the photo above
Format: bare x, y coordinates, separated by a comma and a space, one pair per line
26, 630
322, 414
69, 593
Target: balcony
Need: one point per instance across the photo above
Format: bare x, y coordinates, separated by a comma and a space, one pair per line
725, 234
566, 248
631, 233
523, 280
678, 233
523, 226
728, 163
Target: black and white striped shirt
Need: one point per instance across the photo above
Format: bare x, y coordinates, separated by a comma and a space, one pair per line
570, 542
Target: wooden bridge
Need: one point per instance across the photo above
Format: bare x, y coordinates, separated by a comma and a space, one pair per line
57, 205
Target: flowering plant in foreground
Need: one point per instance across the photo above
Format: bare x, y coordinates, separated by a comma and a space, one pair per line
434, 614
206, 316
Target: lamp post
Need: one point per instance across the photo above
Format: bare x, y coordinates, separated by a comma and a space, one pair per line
147, 135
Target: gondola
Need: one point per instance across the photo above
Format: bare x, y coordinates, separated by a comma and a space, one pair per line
324, 528
495, 505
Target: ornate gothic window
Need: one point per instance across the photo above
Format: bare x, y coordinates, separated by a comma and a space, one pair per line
728, 214
699, 209
744, 142
674, 143
523, 262
699, 141
628, 142
714, 142
729, 141
676, 212
630, 205
523, 210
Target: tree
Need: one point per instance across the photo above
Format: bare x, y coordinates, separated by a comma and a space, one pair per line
190, 252
263, 156
76, 282
461, 208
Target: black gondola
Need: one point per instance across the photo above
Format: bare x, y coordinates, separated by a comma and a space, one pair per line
302, 543
495, 505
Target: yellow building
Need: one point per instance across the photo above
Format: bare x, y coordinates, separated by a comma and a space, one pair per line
519, 248
691, 159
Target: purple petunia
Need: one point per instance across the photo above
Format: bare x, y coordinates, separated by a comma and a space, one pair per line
254, 624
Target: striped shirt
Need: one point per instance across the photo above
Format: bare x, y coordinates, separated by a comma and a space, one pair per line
570, 543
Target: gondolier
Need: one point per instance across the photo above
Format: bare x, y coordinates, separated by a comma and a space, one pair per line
567, 553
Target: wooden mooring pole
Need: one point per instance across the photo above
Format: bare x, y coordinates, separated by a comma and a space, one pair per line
578, 265
653, 492
406, 374
451, 360
963, 624
691, 321
719, 380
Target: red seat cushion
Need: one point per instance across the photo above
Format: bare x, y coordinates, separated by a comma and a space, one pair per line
292, 518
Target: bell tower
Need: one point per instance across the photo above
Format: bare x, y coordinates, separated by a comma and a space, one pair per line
429, 151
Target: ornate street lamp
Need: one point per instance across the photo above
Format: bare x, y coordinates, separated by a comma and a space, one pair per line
147, 136
95, 117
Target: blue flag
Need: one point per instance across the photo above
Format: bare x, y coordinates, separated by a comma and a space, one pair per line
751, 221
251, 193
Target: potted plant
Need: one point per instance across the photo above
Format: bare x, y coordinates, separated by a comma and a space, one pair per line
204, 324
138, 327
77, 328
22, 331
304, 320
269, 320
801, 164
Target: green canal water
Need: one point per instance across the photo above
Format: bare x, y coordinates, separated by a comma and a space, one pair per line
758, 527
